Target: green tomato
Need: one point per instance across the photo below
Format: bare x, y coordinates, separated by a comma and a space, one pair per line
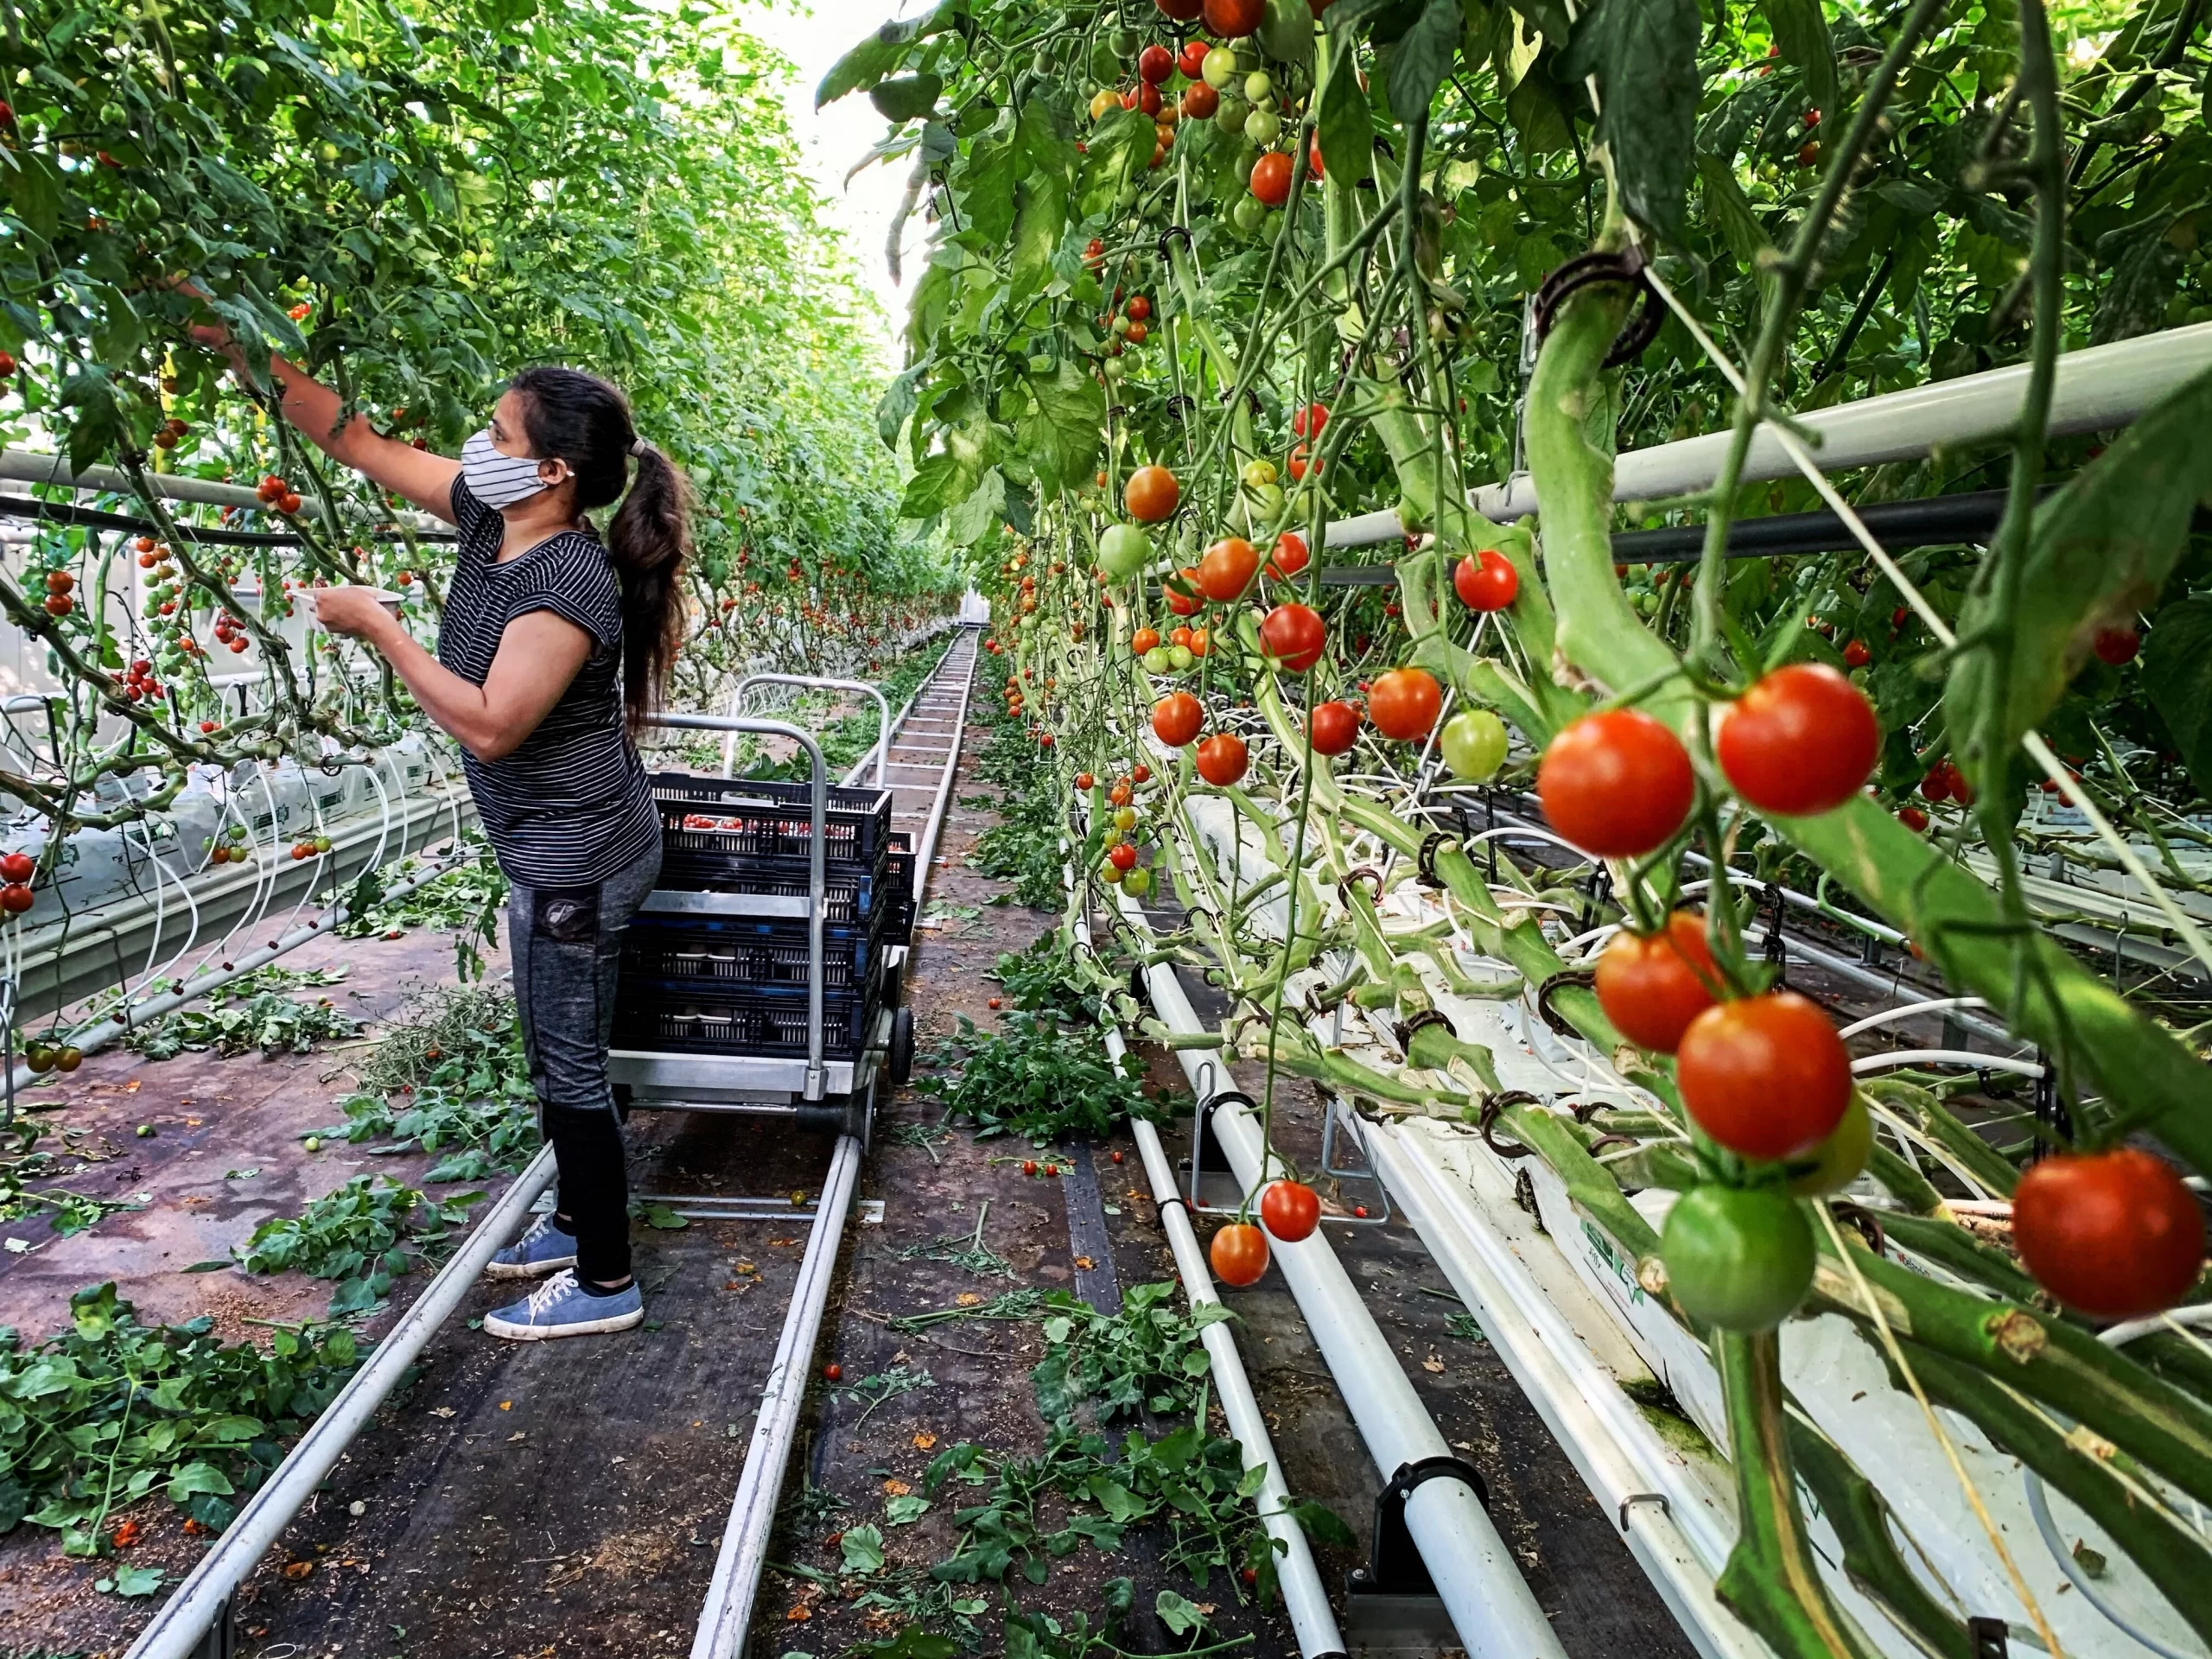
1123, 550
1114, 368
1648, 603
313, 1143
1219, 67
1229, 116
1109, 836
1741, 1260
1122, 323
1261, 126
1257, 86
1474, 745
1137, 882
1835, 1163
1179, 657
1266, 500
1258, 475
1110, 875
1250, 213
1157, 661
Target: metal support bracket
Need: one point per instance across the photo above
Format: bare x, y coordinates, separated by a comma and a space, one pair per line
1202, 1136
1990, 1636
1394, 1567
1379, 1214
221, 1640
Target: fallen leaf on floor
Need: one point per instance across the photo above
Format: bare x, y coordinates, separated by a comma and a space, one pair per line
967, 1299
896, 1488
1433, 1365
799, 1612
441, 1411
506, 1405
298, 1569
925, 1440
783, 1241
1084, 1263
131, 1087
743, 1267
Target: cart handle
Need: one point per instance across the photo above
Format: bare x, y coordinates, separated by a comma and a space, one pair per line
817, 886
882, 724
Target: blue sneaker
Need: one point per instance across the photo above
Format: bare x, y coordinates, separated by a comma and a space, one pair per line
543, 1249
562, 1307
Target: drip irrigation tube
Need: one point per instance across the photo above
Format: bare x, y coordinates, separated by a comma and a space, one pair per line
1490, 1605
203, 1601
1303, 1597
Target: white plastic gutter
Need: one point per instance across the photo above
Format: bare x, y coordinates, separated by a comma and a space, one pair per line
2098, 387
1303, 1597
1680, 1542
1489, 1603
181, 1624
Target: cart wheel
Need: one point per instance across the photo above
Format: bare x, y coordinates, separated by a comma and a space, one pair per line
902, 1045
894, 983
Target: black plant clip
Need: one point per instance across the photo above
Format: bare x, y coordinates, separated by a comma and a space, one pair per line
1589, 271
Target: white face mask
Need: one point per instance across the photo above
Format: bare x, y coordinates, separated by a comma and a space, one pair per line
496, 480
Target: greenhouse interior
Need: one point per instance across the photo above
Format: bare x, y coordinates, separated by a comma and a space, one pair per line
1401, 808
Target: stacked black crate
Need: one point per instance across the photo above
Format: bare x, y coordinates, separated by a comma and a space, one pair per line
722, 983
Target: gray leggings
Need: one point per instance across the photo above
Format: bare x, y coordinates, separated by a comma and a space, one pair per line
566, 946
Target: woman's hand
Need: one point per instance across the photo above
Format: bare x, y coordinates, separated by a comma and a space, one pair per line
349, 611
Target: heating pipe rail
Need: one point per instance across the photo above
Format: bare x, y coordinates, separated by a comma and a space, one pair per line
1303, 1597
1490, 1605
743, 1556
2098, 387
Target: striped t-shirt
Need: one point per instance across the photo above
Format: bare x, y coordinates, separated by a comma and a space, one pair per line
570, 806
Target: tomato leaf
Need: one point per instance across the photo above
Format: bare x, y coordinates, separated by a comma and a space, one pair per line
974, 518
1423, 58
2100, 551
1802, 34
986, 188
1323, 1524
1061, 438
2178, 674
868, 63
906, 99
1347, 127
1645, 54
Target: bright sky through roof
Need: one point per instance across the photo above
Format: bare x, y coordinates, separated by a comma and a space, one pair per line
836, 138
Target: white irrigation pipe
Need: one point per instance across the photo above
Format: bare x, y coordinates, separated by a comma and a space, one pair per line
1682, 1540
1303, 1597
1906, 1010
180, 1626
1493, 1610
2099, 387
1943, 1057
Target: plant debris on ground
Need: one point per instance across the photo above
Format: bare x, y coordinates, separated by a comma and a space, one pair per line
267, 1020
1038, 1078
369, 1233
450, 1077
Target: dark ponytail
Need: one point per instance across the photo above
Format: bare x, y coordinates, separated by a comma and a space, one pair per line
585, 422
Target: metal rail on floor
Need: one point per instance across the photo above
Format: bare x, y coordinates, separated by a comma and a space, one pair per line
727, 1617
195, 1622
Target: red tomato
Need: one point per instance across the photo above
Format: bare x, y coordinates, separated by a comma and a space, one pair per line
1403, 703
1764, 1075
2113, 1234
1233, 19
1141, 774
1182, 594
1486, 580
18, 866
1221, 759
1290, 1211
1297, 464
1192, 63
1176, 718
1227, 569
1652, 985
1936, 786
1913, 818
1181, 636
1799, 741
1290, 556
1122, 855
833, 1373
1140, 309
1293, 636
1314, 156
1271, 178
1155, 63
1855, 654
1333, 726
16, 898
1239, 1254
2117, 645
1151, 494
1181, 11
1308, 422
1083, 780
1144, 639
1200, 102
1617, 785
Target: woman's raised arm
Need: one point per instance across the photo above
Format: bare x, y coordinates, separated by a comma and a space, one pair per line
424, 479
